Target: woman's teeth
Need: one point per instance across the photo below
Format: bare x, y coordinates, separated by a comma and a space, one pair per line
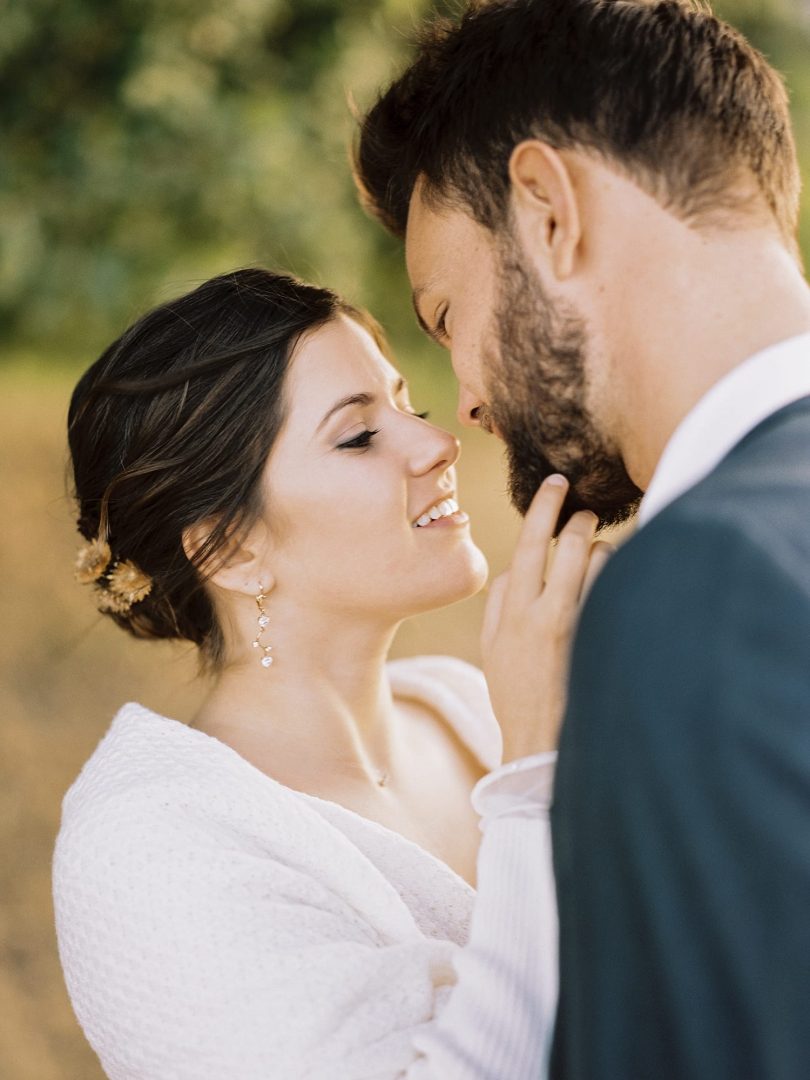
442, 509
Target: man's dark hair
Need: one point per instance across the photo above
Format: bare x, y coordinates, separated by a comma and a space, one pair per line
673, 97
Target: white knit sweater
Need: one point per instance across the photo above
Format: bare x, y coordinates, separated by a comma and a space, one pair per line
214, 924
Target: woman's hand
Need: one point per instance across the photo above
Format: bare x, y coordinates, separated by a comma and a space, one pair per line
530, 619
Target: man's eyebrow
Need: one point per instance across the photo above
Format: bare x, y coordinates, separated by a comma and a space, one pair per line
415, 298
358, 399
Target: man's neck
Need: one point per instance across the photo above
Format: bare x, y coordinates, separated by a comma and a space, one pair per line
739, 303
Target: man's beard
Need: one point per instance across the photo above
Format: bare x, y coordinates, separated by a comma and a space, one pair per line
536, 390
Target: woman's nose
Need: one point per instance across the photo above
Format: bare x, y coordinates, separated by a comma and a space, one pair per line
435, 448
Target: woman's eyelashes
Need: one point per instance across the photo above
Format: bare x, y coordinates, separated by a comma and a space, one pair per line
362, 441
359, 442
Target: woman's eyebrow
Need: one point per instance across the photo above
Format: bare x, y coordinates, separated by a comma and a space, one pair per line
357, 399
352, 399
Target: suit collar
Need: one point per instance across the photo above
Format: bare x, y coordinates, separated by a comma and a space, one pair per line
739, 403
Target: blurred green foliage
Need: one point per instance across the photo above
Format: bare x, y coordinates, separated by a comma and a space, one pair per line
150, 143
147, 144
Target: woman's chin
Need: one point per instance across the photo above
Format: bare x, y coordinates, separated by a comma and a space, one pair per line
464, 578
479, 573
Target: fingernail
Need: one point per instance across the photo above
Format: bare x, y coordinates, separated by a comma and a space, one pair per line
557, 480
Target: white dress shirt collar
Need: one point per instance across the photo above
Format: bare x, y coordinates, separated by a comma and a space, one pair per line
756, 389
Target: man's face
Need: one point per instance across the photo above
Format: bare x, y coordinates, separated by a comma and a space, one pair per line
521, 359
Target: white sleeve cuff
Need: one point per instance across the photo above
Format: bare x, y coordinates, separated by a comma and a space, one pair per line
523, 788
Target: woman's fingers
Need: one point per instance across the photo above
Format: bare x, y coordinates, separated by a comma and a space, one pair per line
529, 623
531, 553
492, 611
572, 556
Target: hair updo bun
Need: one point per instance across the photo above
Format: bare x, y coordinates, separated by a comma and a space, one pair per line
172, 426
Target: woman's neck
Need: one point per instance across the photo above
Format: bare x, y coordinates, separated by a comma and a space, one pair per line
324, 707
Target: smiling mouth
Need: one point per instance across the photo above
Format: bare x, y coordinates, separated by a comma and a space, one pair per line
444, 509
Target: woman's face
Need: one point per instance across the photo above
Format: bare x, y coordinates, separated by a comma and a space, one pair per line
352, 472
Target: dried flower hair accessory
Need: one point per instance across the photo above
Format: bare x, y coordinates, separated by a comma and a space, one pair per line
92, 560
129, 582
126, 584
109, 602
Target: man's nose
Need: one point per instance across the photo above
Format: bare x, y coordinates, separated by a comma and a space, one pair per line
469, 408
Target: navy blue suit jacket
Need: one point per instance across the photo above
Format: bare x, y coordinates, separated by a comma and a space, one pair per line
681, 819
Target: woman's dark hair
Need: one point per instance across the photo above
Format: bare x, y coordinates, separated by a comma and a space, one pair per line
172, 426
665, 91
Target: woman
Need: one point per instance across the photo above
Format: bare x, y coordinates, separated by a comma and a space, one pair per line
286, 887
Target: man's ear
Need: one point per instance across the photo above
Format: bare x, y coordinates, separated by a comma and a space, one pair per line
241, 565
545, 205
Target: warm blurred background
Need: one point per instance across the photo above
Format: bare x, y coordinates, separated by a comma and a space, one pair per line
146, 145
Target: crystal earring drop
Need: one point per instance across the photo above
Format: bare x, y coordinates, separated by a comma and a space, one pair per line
262, 620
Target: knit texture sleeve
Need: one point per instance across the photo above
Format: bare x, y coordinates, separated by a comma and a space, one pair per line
498, 1022
186, 959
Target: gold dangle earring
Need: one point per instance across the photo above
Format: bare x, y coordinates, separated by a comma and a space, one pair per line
263, 619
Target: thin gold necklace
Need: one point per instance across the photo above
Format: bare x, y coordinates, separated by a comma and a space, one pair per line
381, 777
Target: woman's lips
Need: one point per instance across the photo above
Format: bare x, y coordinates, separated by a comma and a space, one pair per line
445, 507
458, 518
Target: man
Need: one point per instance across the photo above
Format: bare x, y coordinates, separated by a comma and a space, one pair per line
599, 202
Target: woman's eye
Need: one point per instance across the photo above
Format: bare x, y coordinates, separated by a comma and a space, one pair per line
359, 442
441, 324
422, 415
